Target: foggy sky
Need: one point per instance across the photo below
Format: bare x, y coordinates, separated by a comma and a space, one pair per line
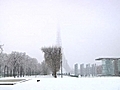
89, 28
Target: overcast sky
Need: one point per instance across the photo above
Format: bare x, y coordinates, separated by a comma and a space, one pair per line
89, 28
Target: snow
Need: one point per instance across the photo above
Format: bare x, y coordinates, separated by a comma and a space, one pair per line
66, 83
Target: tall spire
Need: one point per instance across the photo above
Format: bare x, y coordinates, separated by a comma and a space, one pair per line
59, 43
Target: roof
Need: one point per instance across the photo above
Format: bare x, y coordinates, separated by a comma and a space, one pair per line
108, 58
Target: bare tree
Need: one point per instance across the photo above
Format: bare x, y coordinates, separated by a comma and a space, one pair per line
18, 64
16, 60
1, 49
31, 66
44, 68
52, 57
3, 63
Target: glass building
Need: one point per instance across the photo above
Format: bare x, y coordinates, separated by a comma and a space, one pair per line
107, 67
110, 66
119, 67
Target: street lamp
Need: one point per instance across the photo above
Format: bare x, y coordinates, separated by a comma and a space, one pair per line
61, 69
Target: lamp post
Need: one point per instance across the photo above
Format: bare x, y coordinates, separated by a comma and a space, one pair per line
61, 69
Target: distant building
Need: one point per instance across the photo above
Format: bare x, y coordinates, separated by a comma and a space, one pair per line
85, 73
99, 70
82, 70
93, 70
88, 69
110, 66
76, 69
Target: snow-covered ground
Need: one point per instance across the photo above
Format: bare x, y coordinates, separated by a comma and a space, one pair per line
66, 83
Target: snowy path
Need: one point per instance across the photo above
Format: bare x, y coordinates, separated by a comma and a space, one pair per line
101, 83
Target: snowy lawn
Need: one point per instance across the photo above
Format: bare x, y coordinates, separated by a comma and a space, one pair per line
67, 83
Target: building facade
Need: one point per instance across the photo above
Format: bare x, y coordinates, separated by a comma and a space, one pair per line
88, 69
76, 69
110, 66
82, 70
93, 70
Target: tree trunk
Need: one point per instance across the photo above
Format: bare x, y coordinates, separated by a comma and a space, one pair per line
54, 74
0, 71
7, 71
18, 71
21, 71
11, 73
4, 71
14, 72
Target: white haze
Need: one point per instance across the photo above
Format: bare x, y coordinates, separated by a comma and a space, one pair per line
89, 28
